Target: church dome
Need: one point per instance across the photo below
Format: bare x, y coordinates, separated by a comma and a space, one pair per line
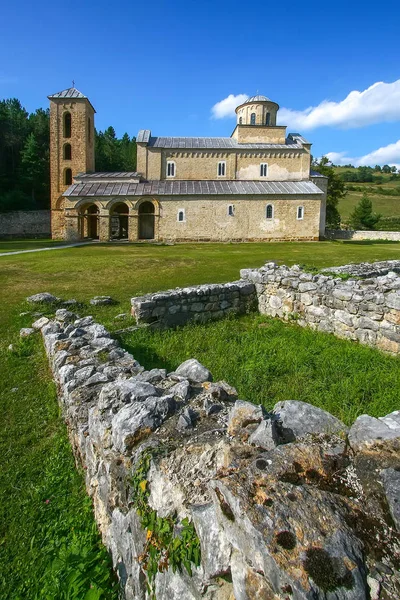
258, 98
257, 110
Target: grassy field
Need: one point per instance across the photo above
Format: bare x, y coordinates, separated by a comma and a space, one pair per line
16, 245
49, 547
387, 206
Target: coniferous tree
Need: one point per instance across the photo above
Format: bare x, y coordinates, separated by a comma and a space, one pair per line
363, 216
336, 191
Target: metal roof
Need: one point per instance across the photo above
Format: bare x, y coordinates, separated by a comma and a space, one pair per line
69, 93
143, 135
123, 175
216, 143
258, 98
192, 188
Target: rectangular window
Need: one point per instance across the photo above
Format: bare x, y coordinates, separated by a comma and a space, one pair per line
221, 168
300, 213
181, 216
263, 170
231, 210
170, 169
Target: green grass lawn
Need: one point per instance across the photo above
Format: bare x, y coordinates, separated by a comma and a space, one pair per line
49, 547
387, 206
16, 245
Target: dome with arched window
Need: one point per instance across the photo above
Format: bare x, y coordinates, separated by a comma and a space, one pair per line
257, 110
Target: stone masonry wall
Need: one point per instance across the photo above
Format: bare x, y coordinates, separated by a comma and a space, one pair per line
348, 234
365, 307
198, 303
25, 224
199, 495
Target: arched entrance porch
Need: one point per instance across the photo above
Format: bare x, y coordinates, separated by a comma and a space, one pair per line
119, 222
146, 221
89, 222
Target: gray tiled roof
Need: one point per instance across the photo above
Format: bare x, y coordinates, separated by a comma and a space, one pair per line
69, 93
124, 175
215, 143
143, 136
193, 188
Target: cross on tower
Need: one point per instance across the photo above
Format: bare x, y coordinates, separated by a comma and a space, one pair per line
73, 83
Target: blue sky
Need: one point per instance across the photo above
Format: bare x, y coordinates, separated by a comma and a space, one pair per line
164, 65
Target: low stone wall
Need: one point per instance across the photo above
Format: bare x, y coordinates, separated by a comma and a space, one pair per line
198, 303
348, 234
25, 224
199, 495
366, 309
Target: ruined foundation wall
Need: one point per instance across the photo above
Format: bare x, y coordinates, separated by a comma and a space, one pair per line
179, 469
198, 303
365, 307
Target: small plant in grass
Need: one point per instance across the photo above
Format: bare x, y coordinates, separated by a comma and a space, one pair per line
169, 543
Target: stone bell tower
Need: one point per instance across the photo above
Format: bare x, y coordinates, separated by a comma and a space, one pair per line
71, 148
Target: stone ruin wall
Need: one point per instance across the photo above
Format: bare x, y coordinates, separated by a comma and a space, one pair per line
365, 307
199, 303
275, 499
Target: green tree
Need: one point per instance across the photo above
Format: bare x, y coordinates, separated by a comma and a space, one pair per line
33, 166
363, 216
378, 168
336, 191
386, 169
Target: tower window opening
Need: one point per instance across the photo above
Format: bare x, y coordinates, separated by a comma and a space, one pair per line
221, 168
263, 170
240, 120
67, 176
181, 215
267, 118
67, 152
67, 125
231, 210
269, 213
170, 169
300, 213
253, 119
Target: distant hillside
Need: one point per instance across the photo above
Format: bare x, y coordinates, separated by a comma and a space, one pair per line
384, 192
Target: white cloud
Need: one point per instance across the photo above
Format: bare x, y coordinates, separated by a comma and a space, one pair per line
226, 107
377, 104
387, 155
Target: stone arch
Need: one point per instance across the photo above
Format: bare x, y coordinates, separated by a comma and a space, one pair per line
119, 221
88, 217
146, 220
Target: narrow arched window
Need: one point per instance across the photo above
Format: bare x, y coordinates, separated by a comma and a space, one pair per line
267, 118
170, 168
221, 168
240, 120
67, 125
269, 213
181, 215
67, 152
300, 213
231, 210
253, 119
263, 169
67, 176
89, 128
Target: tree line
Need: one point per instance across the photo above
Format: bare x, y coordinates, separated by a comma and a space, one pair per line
25, 156
369, 174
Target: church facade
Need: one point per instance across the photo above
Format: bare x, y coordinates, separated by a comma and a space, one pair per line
255, 185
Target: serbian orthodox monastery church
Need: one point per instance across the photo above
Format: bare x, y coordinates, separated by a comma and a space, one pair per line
254, 185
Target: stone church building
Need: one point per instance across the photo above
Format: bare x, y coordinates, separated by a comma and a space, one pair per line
254, 185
